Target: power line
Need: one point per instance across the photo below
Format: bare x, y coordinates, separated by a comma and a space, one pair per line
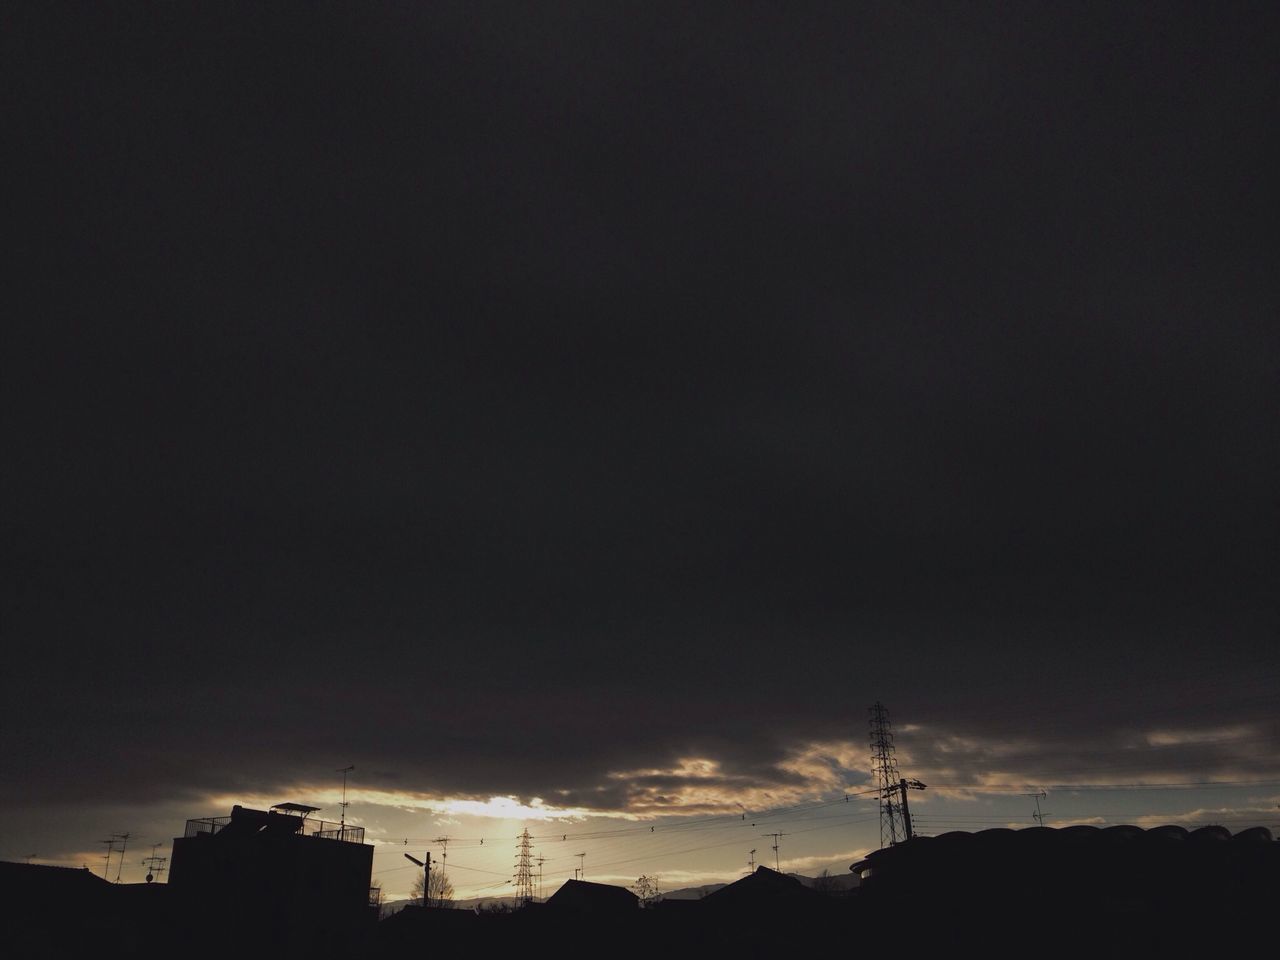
730, 820
725, 820
800, 812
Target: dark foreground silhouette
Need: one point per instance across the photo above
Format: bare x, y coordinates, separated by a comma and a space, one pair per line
1075, 891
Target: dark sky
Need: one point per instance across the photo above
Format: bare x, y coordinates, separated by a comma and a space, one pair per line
498, 396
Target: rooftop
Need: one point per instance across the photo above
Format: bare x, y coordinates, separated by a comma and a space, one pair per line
294, 821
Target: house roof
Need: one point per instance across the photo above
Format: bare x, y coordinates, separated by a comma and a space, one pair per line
763, 885
38, 882
584, 895
962, 846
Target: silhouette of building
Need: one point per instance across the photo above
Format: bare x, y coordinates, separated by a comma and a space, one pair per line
1122, 876
764, 889
50, 911
274, 878
583, 897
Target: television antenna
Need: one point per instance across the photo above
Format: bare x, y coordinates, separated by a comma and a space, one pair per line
342, 825
777, 864
1037, 815
124, 845
155, 864
444, 855
111, 847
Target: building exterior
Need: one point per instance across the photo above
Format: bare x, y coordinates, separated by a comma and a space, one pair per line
582, 897
273, 878
1119, 872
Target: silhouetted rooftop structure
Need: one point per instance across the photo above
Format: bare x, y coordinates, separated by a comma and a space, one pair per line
52, 911
293, 883
764, 888
1118, 870
584, 897
48, 881
283, 818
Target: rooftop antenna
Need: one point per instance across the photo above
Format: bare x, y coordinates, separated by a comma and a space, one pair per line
751, 861
155, 864
29, 857
1037, 816
541, 861
444, 855
111, 846
124, 845
342, 825
582, 866
777, 864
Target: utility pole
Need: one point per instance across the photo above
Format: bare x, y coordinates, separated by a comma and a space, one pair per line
1038, 817
426, 875
904, 785
541, 861
342, 825
777, 863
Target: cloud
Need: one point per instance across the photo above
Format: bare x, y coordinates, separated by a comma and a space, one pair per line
629, 392
963, 765
1221, 735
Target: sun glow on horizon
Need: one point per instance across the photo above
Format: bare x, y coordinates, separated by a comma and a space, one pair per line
495, 807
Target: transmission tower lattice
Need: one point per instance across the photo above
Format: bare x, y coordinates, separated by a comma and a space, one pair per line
884, 770
524, 868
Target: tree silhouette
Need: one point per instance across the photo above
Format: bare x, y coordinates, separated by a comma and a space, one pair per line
646, 889
440, 892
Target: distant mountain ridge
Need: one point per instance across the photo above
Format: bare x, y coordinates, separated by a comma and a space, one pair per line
472, 903
693, 893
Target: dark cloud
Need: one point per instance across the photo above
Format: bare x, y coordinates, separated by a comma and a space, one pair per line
506, 397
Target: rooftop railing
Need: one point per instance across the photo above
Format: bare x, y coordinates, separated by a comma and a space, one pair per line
278, 823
